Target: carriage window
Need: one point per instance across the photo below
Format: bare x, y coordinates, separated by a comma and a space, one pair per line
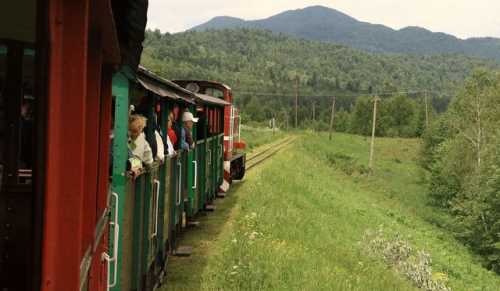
26, 117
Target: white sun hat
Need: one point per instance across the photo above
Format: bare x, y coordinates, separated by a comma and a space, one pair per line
188, 116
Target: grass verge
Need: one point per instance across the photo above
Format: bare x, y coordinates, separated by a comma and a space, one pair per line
299, 222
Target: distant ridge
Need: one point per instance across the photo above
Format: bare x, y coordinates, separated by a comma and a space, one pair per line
330, 25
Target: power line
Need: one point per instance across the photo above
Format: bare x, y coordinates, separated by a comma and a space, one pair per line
387, 93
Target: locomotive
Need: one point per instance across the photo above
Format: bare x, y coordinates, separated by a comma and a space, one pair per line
72, 217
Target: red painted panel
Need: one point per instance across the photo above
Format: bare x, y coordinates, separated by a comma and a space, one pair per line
100, 267
91, 142
62, 246
92, 136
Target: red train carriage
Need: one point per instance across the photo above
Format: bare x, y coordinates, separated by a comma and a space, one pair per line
234, 159
57, 60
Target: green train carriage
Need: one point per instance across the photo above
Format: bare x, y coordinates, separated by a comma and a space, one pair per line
151, 209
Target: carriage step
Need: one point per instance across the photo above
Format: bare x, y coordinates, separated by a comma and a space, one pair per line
210, 207
221, 195
183, 251
193, 224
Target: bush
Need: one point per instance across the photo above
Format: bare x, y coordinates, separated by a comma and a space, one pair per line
346, 164
398, 253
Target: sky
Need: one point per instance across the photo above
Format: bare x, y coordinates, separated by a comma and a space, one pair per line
462, 18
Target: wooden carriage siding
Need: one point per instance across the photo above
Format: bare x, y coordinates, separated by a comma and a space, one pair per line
152, 208
87, 233
78, 46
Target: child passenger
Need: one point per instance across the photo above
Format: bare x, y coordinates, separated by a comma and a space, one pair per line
139, 148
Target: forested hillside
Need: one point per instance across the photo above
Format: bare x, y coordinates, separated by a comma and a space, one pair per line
329, 25
262, 61
262, 68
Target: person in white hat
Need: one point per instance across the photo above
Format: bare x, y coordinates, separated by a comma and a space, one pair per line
187, 141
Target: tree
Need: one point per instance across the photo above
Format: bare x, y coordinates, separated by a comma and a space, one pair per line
461, 151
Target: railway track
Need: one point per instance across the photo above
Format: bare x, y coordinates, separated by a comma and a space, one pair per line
265, 154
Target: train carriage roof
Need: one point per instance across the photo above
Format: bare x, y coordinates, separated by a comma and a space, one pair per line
163, 87
207, 99
204, 83
169, 89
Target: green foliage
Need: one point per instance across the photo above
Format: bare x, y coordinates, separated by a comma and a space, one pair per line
397, 116
461, 151
347, 164
397, 252
253, 61
297, 223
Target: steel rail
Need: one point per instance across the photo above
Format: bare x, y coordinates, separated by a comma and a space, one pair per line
270, 147
272, 153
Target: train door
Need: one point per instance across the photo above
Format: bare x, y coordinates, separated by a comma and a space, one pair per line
21, 140
209, 155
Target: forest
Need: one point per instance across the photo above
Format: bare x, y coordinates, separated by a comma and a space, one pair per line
458, 128
461, 153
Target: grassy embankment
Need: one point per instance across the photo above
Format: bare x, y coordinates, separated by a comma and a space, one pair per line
298, 223
255, 137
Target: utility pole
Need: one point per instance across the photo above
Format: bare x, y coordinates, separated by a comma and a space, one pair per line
273, 124
296, 101
286, 119
376, 99
332, 117
426, 110
314, 111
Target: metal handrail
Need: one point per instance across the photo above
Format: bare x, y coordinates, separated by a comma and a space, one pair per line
105, 256
195, 186
179, 184
157, 210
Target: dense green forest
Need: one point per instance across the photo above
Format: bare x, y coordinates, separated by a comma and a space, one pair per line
252, 60
263, 67
461, 152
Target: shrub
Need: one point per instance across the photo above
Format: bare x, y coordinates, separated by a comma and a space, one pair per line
416, 265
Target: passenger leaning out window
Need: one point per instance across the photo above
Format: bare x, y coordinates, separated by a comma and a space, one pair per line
171, 136
160, 141
187, 142
139, 149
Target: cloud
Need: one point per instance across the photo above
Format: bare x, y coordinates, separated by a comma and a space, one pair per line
463, 18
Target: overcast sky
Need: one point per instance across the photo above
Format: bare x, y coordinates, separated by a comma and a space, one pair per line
463, 18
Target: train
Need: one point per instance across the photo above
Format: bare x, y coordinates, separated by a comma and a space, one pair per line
73, 216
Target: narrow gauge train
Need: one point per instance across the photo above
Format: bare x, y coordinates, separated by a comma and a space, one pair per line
68, 73
152, 208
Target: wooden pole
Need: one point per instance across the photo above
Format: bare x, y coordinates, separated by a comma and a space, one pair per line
426, 111
296, 101
332, 117
286, 118
372, 146
273, 122
314, 111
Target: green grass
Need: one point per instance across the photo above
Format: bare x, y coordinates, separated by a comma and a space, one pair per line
297, 223
257, 136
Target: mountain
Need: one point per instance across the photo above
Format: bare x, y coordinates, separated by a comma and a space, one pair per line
330, 25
